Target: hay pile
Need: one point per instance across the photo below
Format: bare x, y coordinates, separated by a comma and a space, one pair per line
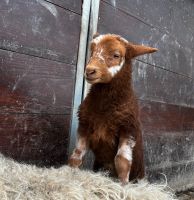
19, 182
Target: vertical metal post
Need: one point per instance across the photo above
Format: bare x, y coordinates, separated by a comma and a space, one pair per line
90, 10
89, 158
92, 30
86, 6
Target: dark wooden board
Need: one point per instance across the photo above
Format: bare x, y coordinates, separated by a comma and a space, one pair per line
36, 139
152, 83
168, 132
170, 125
39, 28
72, 5
171, 54
172, 17
35, 85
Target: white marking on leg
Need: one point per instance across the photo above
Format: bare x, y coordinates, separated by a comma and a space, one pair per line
126, 149
77, 156
81, 147
115, 69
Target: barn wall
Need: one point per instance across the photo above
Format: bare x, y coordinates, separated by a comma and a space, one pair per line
164, 81
38, 54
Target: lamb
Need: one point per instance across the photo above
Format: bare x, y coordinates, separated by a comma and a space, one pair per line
108, 117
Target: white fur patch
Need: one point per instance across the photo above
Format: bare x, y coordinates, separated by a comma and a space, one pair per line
98, 39
81, 146
99, 54
115, 69
126, 149
78, 156
124, 40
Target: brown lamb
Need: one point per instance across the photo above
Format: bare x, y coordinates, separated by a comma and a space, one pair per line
109, 117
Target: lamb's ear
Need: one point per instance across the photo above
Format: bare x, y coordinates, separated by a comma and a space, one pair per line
137, 50
96, 35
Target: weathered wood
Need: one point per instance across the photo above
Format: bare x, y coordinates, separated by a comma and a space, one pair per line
168, 132
35, 85
171, 54
38, 139
152, 83
73, 5
172, 17
39, 28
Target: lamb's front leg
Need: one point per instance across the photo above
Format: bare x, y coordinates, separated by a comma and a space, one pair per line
76, 158
123, 159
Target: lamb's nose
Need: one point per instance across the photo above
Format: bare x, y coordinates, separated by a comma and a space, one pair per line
90, 72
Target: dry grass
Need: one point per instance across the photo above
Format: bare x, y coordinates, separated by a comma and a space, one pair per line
25, 182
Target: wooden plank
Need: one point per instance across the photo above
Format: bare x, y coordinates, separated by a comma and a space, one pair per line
36, 139
171, 54
35, 85
73, 5
152, 83
172, 17
157, 116
168, 132
183, 24
41, 29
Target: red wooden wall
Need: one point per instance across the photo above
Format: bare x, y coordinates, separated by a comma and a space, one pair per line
38, 53
164, 81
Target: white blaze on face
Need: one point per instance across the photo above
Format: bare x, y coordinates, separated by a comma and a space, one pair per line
126, 150
99, 54
115, 69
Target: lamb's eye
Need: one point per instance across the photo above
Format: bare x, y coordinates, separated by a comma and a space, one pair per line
116, 55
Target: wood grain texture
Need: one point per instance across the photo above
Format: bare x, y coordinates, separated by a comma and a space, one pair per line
38, 53
36, 139
39, 28
168, 132
156, 84
72, 5
35, 85
171, 55
171, 17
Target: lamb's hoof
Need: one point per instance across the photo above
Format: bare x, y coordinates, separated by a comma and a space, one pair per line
124, 182
73, 162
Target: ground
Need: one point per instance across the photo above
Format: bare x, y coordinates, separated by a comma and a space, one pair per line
187, 195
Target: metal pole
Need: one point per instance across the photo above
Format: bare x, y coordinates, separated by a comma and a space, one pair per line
93, 29
80, 71
90, 11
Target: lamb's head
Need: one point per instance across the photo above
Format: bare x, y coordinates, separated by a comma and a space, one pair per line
108, 55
